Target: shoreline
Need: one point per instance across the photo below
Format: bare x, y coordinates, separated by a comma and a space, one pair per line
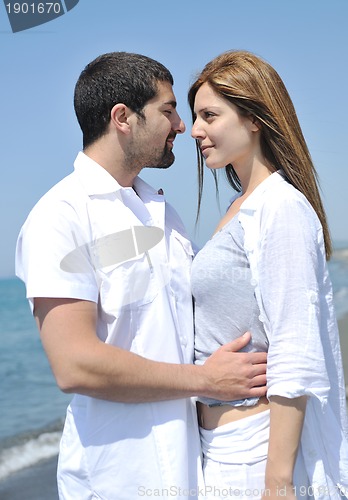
39, 481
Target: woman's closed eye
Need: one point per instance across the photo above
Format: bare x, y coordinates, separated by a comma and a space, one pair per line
208, 115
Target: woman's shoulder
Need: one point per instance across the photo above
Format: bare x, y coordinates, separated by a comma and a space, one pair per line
277, 203
282, 195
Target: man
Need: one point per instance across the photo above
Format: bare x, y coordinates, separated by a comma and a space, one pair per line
106, 264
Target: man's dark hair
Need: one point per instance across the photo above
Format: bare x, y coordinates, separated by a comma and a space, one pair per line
116, 77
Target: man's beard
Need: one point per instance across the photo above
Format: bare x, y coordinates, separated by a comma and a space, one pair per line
165, 161
136, 161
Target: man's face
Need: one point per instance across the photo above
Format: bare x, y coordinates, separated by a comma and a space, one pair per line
153, 138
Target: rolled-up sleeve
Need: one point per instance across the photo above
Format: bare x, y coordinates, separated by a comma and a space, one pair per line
291, 263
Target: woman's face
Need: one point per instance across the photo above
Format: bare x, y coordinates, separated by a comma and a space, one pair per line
223, 134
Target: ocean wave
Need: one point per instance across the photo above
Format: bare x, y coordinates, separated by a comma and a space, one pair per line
340, 254
28, 449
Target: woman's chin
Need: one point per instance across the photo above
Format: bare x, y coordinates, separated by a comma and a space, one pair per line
212, 165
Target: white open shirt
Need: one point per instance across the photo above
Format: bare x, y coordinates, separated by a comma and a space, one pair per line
285, 248
116, 451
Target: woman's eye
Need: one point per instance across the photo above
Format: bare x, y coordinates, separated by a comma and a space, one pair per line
208, 114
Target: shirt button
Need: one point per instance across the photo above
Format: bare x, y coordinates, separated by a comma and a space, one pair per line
253, 282
184, 341
261, 317
313, 297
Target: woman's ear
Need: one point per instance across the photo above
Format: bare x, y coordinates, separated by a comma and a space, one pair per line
119, 118
255, 124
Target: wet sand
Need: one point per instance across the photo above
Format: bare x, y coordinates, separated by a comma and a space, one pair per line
33, 483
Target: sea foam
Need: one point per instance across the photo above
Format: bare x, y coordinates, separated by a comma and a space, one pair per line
27, 450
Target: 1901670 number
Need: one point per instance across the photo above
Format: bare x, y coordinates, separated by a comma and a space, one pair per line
34, 8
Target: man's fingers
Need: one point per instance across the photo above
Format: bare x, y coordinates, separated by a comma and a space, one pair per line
258, 386
258, 357
259, 380
259, 369
234, 374
237, 344
258, 392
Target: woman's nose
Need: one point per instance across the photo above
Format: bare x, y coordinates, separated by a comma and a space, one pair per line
196, 131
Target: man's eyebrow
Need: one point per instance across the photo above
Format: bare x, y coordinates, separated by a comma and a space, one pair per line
170, 103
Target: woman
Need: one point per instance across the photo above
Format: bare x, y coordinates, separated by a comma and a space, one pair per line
264, 270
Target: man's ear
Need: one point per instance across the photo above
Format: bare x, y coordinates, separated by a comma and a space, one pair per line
119, 118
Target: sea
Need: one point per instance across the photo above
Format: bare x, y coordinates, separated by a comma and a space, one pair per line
32, 408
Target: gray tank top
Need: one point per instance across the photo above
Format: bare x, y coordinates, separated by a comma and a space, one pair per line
225, 303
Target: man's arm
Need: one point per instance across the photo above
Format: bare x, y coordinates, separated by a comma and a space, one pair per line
83, 364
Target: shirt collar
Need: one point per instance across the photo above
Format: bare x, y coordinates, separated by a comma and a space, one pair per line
96, 180
146, 191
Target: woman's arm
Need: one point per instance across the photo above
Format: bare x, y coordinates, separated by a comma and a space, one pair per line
286, 420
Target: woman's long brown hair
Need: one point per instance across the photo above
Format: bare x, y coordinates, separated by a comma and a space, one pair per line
257, 90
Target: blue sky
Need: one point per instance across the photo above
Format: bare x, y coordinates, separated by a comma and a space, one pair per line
305, 40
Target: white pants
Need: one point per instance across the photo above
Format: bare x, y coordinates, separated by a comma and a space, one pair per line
234, 460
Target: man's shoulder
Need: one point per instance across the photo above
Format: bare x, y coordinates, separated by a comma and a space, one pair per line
60, 206
65, 191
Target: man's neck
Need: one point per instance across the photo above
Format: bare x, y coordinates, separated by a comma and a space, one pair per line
113, 165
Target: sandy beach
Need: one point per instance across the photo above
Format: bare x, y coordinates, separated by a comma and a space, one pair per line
39, 482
